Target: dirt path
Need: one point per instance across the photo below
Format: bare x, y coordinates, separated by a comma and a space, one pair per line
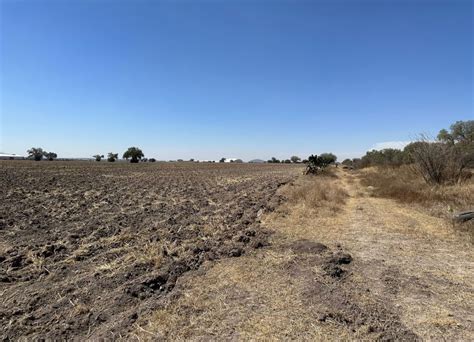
375, 269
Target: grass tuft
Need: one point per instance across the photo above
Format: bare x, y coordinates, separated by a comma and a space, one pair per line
317, 193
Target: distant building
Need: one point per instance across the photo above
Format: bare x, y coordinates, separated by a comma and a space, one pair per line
10, 156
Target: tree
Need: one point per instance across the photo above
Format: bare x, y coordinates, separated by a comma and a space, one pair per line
316, 164
152, 160
295, 159
460, 132
36, 153
98, 157
327, 159
347, 162
134, 153
222, 160
273, 160
444, 136
111, 157
287, 161
50, 155
461, 138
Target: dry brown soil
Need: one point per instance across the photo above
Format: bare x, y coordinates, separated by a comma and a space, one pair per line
369, 269
222, 252
88, 248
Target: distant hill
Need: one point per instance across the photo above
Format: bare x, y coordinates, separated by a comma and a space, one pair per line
257, 161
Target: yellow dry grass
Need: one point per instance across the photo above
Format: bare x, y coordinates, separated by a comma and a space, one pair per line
405, 186
249, 298
313, 192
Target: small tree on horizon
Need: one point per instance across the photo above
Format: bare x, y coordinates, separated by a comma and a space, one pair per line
50, 156
134, 153
274, 160
98, 157
36, 153
295, 159
111, 157
222, 160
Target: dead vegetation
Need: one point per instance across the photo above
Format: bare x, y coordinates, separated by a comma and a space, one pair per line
283, 293
317, 193
405, 186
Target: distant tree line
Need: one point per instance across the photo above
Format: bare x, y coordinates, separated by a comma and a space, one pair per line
134, 154
292, 159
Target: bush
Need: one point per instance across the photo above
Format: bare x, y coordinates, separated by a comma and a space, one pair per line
152, 160
98, 157
439, 162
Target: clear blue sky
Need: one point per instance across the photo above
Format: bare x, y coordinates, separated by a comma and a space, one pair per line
248, 79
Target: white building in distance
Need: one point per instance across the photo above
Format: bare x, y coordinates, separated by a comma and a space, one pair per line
10, 156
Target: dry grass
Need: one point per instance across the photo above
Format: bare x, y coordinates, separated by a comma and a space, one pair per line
149, 253
405, 186
315, 192
248, 298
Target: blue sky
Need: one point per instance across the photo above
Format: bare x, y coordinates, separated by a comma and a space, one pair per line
248, 79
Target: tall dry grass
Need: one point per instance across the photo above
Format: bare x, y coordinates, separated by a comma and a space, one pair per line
317, 192
406, 186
